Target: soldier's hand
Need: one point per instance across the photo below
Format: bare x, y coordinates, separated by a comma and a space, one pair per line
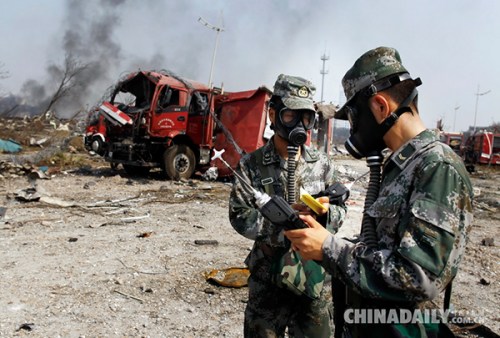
302, 209
325, 200
309, 242
305, 210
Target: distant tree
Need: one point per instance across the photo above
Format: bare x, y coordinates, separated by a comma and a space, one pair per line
69, 76
439, 125
3, 73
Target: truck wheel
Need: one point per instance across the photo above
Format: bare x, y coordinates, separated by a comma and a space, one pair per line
179, 161
97, 145
134, 170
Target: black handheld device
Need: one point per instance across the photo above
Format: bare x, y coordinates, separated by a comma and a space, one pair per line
275, 209
337, 194
279, 212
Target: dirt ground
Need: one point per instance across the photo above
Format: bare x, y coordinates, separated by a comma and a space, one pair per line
101, 254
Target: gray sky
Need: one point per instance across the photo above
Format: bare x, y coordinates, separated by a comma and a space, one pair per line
452, 45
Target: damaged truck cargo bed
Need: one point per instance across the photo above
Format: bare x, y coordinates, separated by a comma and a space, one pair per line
159, 120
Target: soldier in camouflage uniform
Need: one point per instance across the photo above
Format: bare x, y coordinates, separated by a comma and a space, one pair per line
272, 307
422, 215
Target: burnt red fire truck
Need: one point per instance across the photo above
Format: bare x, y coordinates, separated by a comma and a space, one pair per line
156, 119
482, 147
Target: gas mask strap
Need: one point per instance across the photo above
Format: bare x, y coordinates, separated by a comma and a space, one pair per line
403, 108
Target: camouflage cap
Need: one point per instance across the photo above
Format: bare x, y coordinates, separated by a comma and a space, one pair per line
369, 68
295, 92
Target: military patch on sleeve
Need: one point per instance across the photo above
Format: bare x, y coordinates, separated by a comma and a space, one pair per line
404, 155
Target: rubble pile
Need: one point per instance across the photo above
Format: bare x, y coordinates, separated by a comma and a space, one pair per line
10, 169
33, 131
42, 144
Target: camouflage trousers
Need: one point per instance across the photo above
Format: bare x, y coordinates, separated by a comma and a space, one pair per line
270, 310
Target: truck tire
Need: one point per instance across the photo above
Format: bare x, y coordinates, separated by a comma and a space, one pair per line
179, 161
97, 145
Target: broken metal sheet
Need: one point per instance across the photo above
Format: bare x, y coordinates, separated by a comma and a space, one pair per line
39, 142
10, 146
134, 218
230, 277
27, 195
56, 201
37, 174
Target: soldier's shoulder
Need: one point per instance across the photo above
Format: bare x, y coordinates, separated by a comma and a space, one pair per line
312, 154
441, 157
440, 152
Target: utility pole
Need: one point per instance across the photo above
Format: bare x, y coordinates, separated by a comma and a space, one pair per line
323, 72
324, 125
477, 100
217, 30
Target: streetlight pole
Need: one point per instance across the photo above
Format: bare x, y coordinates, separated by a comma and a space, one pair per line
217, 30
477, 100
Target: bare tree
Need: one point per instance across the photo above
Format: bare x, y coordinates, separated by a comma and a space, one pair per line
3, 73
68, 79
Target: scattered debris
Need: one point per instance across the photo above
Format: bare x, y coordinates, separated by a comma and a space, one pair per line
488, 241
483, 281
37, 174
206, 242
3, 210
10, 146
134, 218
145, 234
26, 327
57, 202
145, 289
209, 291
88, 185
129, 296
39, 142
230, 277
211, 174
27, 195
9, 169
72, 239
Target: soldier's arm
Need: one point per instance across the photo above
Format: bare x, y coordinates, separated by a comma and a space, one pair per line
336, 213
431, 246
243, 215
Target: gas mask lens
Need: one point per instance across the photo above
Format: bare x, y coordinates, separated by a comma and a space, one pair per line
290, 118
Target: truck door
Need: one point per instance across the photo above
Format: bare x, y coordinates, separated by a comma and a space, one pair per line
200, 124
170, 112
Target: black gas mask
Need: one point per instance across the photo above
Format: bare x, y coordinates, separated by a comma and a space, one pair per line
292, 125
367, 136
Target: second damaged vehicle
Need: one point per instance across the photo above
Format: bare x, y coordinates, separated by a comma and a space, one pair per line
160, 120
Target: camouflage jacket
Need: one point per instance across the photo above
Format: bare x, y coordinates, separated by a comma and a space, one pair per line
314, 172
423, 216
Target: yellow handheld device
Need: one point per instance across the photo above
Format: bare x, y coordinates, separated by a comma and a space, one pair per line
311, 202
